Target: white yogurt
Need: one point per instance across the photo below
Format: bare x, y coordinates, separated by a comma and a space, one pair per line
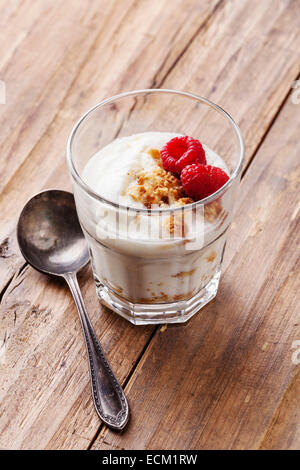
136, 265
109, 171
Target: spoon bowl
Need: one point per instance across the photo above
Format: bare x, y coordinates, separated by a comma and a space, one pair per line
49, 234
51, 240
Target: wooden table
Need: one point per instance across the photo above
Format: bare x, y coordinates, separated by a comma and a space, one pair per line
228, 379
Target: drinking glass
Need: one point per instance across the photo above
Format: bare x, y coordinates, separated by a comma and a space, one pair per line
155, 265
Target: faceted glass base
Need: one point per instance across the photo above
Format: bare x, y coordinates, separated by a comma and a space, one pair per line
143, 314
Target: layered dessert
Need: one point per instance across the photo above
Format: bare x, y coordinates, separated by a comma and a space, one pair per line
150, 243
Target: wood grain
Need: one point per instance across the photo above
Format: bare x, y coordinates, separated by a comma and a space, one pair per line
217, 382
241, 43
28, 354
123, 52
43, 364
284, 431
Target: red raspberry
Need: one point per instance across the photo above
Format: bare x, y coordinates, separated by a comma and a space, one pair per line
200, 181
180, 152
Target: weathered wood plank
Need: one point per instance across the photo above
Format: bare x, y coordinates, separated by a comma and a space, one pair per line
248, 62
122, 51
39, 68
284, 430
251, 69
127, 64
42, 351
38, 71
43, 363
217, 381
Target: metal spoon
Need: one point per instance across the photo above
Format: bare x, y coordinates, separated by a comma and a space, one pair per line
51, 240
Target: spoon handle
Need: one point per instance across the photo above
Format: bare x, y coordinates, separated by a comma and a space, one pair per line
109, 399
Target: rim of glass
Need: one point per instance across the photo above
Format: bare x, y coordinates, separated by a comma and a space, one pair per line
192, 205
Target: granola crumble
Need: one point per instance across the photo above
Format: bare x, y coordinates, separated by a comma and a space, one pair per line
158, 186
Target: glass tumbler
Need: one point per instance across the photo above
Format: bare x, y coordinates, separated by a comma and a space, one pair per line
155, 264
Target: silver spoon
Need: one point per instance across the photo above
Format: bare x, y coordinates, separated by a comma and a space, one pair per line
51, 240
